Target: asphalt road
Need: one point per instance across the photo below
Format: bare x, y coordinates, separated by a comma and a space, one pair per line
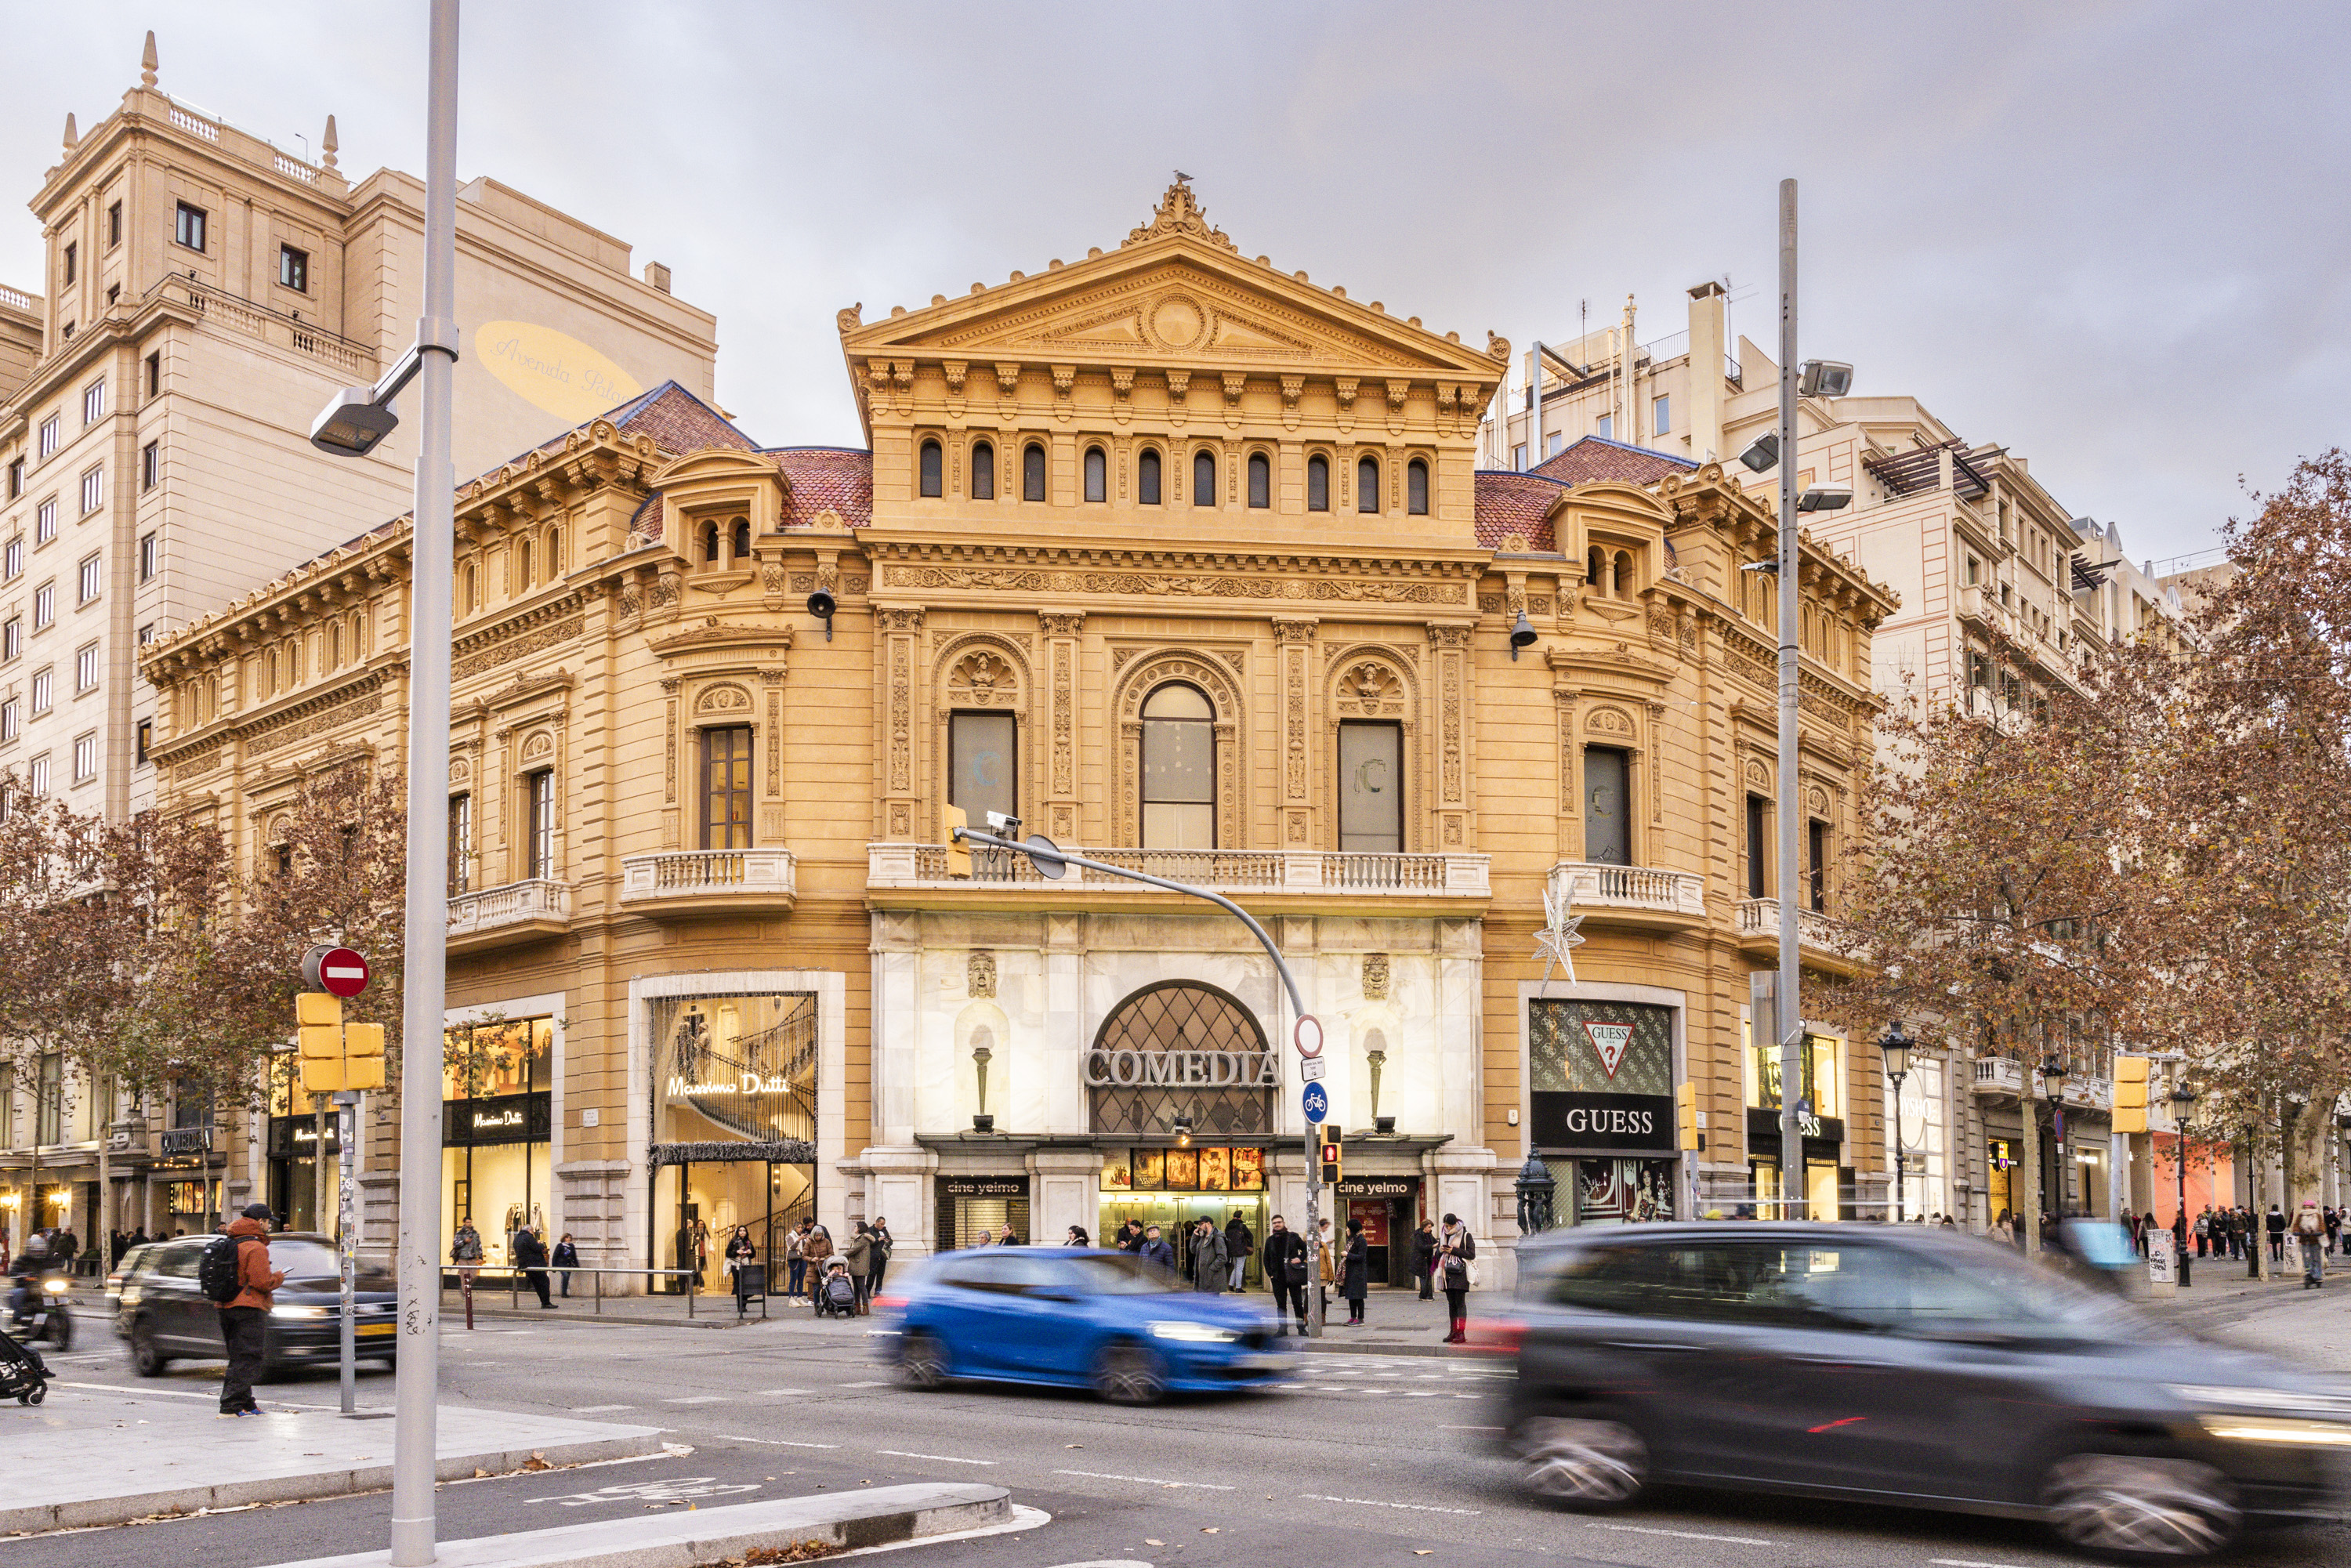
1362, 1459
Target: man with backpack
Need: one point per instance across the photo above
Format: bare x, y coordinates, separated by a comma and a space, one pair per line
235, 1273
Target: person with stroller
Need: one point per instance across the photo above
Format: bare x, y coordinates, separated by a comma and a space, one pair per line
836, 1292
816, 1251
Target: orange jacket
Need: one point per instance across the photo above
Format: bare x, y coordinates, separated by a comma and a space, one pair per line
252, 1271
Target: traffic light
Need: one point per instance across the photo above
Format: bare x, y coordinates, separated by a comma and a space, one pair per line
334, 1055
2130, 1093
952, 823
1686, 1116
1326, 1153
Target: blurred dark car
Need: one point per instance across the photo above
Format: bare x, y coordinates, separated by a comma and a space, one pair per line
1075, 1318
1916, 1367
166, 1318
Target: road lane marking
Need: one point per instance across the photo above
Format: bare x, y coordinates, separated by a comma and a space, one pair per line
774, 1442
942, 1458
779, 1394
599, 1409
698, 1400
883, 1384
1376, 1502
1145, 1481
1966, 1563
1683, 1535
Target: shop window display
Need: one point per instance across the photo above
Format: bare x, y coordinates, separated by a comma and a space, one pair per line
1820, 1110
1602, 1090
1176, 1189
734, 1128
494, 1157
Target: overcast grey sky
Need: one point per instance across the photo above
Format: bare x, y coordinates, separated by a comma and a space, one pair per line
2112, 237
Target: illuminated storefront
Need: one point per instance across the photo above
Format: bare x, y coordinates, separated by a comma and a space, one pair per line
302, 1185
496, 1168
735, 1114
1820, 1117
1601, 1076
1174, 1188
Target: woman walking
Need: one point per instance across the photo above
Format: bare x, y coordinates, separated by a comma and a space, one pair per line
740, 1250
1354, 1273
566, 1258
1453, 1272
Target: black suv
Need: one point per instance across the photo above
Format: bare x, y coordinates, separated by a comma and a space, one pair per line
1918, 1367
165, 1317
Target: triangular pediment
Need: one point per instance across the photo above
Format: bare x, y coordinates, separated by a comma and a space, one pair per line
1177, 293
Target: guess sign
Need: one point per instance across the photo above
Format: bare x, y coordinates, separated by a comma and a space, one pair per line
1603, 1123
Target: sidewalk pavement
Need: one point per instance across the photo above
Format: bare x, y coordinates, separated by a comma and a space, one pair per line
95, 1454
845, 1521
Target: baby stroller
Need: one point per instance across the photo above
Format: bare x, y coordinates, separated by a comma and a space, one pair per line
24, 1375
836, 1295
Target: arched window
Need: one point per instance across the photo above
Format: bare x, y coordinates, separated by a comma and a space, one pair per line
983, 471
555, 552
1032, 473
1260, 471
1146, 478
1367, 485
710, 544
522, 565
933, 470
1595, 569
742, 540
1203, 479
1620, 583
1416, 488
1097, 474
473, 594
1179, 770
335, 646
1317, 484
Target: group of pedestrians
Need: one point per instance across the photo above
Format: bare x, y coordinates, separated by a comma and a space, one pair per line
527, 1251
2233, 1232
811, 1259
1217, 1260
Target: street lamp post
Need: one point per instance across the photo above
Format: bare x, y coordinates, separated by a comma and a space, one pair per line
1896, 1048
2182, 1103
2052, 1073
351, 425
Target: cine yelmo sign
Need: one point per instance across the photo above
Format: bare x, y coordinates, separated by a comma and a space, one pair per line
1182, 1069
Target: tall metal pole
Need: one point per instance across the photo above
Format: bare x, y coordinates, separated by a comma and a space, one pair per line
1789, 1011
424, 956
346, 1239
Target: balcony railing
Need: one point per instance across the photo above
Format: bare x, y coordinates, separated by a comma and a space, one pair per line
226, 310
2007, 1076
1226, 871
712, 875
536, 901
1589, 884
1760, 917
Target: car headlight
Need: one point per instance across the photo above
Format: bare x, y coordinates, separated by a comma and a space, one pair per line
1195, 1334
305, 1311
2291, 1429
55, 1284
2278, 1401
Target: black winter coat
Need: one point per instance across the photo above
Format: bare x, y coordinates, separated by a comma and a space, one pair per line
1423, 1252
1355, 1269
529, 1251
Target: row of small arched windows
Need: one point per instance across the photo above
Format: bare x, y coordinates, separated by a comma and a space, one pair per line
1149, 478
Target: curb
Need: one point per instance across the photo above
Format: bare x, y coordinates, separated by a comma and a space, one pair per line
883, 1517
86, 1512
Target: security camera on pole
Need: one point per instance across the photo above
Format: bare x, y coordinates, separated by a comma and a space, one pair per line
1052, 862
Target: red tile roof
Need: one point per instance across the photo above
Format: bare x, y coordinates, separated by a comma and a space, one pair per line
838, 479
1597, 458
1517, 504
678, 422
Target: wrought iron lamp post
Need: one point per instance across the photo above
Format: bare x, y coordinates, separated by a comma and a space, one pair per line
2182, 1103
2052, 1073
1896, 1045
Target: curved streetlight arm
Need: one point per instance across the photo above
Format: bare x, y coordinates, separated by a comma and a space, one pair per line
1063, 857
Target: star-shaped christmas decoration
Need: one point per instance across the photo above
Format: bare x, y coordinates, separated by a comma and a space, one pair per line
1559, 938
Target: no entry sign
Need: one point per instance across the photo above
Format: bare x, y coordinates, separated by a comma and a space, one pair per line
337, 971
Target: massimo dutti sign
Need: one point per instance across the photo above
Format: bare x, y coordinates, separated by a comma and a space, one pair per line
1601, 1077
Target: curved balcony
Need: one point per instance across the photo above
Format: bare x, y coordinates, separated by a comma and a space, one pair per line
711, 881
1649, 896
518, 912
1819, 939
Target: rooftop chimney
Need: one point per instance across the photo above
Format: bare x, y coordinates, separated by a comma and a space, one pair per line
1708, 325
657, 275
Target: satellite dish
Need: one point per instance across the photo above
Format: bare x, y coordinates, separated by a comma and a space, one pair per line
1046, 856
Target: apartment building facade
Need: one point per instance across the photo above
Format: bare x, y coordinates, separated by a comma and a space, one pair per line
1181, 559
2006, 596
206, 292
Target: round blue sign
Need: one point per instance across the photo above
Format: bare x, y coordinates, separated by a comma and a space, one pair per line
1318, 1104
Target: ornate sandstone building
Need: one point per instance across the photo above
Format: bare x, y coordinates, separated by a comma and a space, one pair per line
1185, 562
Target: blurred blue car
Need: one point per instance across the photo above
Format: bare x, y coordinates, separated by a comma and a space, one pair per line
1073, 1319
